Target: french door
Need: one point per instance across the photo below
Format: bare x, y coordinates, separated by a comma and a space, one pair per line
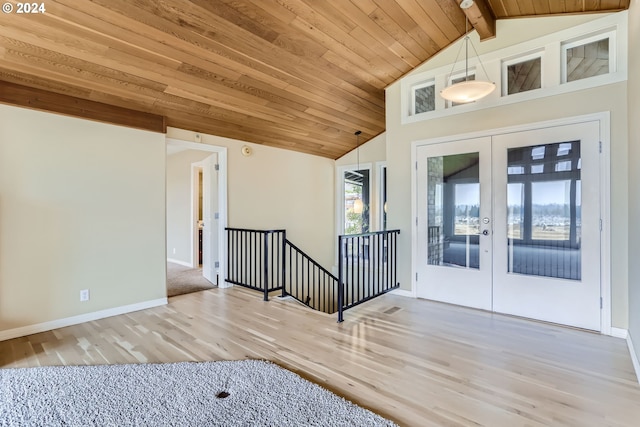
511, 223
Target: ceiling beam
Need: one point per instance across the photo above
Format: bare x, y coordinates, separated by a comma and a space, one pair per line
480, 16
38, 99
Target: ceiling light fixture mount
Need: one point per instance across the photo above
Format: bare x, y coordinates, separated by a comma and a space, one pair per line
466, 4
467, 90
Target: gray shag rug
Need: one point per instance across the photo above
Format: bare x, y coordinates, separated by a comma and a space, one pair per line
242, 393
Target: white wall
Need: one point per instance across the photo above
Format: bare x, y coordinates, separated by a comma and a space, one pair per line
634, 175
279, 189
611, 98
81, 207
179, 203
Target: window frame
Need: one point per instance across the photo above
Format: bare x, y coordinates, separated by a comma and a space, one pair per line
581, 41
506, 63
418, 86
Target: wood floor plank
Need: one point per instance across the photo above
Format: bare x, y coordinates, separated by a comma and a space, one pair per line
417, 362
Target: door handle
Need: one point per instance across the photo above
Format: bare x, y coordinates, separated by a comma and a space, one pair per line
485, 232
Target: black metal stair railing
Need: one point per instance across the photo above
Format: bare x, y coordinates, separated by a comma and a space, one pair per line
265, 260
255, 259
309, 282
367, 267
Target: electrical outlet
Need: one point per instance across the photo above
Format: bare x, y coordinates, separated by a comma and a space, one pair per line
84, 295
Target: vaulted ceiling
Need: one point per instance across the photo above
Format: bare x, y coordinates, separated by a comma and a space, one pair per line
296, 74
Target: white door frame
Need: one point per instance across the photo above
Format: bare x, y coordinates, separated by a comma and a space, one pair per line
605, 201
222, 201
196, 168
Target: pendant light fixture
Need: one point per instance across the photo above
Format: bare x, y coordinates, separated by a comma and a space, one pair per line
467, 90
358, 205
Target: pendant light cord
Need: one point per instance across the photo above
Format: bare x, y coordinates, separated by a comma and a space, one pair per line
358, 132
467, 40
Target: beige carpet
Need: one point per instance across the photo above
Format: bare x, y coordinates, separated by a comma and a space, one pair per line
184, 280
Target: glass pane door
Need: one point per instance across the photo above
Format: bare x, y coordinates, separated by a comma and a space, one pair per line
453, 205
454, 244
544, 210
546, 191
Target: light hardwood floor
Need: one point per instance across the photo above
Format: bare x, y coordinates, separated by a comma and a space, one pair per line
416, 362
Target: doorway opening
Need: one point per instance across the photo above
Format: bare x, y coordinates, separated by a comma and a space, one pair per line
196, 216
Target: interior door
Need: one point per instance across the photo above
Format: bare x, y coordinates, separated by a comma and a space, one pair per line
547, 204
454, 222
511, 223
210, 224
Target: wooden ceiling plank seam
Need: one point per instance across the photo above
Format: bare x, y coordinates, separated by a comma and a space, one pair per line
87, 57
328, 11
400, 34
557, 6
345, 121
275, 10
427, 42
60, 38
367, 6
499, 9
447, 23
223, 107
296, 100
319, 76
89, 68
75, 62
526, 7
322, 80
182, 46
541, 7
283, 37
591, 5
513, 8
399, 63
238, 19
424, 21
323, 25
202, 94
294, 123
43, 84
85, 78
610, 5
267, 51
250, 68
69, 15
343, 64
381, 71
376, 34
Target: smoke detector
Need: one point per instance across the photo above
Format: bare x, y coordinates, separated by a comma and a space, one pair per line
466, 4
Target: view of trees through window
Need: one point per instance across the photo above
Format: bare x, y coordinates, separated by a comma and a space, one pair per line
356, 188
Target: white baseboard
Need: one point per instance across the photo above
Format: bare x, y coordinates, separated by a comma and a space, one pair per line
619, 333
403, 293
81, 318
177, 261
634, 357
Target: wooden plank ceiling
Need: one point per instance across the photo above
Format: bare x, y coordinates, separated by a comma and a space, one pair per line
296, 74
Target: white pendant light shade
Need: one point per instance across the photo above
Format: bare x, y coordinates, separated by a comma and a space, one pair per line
467, 91
358, 206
